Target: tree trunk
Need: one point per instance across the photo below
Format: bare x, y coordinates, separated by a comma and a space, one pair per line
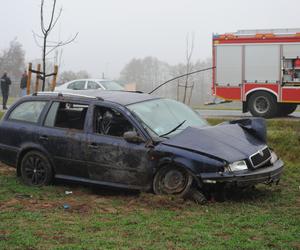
44, 63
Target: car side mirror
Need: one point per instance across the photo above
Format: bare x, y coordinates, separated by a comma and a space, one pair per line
132, 136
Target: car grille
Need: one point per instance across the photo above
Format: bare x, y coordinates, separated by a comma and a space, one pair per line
260, 158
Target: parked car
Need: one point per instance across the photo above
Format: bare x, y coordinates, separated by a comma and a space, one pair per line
132, 140
83, 84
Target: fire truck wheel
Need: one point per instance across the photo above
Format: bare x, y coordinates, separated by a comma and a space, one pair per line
263, 104
287, 108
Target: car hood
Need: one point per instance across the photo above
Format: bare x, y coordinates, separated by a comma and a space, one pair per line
229, 142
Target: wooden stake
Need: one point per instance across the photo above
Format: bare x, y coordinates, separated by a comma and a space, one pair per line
53, 85
37, 79
29, 79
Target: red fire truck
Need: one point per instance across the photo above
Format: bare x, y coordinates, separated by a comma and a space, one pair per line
261, 68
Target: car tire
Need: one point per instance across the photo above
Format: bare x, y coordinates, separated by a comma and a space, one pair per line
172, 180
36, 169
196, 196
263, 104
287, 108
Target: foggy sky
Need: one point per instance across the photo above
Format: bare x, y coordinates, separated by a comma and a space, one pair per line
112, 32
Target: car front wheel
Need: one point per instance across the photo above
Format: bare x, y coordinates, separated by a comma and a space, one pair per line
36, 169
172, 181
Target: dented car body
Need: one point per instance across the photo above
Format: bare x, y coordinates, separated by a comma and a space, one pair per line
132, 140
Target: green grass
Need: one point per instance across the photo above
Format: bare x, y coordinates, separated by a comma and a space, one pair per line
10, 100
226, 106
264, 218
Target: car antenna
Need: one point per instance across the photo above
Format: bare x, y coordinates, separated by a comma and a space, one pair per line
187, 74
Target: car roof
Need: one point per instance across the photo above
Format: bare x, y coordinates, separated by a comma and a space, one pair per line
120, 97
91, 79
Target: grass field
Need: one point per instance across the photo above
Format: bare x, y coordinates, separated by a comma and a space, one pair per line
236, 105
263, 218
10, 100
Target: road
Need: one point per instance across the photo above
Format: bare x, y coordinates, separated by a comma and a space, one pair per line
235, 113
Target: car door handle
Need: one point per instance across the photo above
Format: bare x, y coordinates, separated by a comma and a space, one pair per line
93, 146
44, 138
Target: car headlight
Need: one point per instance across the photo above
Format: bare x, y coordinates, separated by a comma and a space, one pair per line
237, 166
274, 157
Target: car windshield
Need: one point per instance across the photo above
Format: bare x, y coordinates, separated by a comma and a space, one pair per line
111, 85
161, 116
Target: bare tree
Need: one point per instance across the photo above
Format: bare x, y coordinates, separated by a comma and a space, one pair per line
12, 59
189, 66
146, 73
70, 75
49, 46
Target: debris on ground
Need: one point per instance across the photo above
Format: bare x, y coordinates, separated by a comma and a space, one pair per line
66, 206
23, 196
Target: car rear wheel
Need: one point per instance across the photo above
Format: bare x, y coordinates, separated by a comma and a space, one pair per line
36, 169
263, 104
172, 180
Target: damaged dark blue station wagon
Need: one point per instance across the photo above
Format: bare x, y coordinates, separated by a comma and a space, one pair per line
132, 140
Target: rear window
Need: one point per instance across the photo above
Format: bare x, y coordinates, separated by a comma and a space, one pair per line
28, 111
78, 85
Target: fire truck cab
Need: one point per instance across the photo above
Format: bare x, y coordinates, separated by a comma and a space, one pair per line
261, 68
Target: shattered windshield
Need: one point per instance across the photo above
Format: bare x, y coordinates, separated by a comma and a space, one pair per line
161, 116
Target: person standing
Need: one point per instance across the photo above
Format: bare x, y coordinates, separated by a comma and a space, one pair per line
23, 84
5, 82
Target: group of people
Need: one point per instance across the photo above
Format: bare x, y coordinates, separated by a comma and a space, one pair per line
6, 82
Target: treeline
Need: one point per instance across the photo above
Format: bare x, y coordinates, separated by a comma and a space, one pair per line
149, 72
12, 60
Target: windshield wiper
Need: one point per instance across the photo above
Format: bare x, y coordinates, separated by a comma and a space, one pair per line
174, 129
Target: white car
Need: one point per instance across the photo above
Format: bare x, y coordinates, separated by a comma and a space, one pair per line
83, 84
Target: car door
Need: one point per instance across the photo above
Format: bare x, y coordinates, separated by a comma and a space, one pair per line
113, 160
63, 136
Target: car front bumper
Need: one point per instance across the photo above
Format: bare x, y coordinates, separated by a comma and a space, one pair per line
267, 175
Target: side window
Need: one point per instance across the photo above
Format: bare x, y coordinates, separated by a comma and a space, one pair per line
66, 115
93, 85
28, 111
51, 116
108, 121
78, 85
